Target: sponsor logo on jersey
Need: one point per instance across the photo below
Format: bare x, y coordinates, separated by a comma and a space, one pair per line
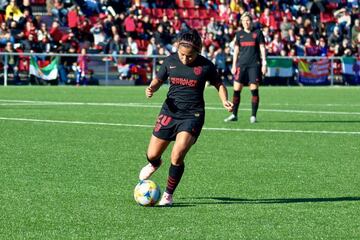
254, 35
183, 81
197, 70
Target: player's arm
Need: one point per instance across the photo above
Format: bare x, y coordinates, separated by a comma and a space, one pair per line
235, 58
153, 87
223, 94
263, 58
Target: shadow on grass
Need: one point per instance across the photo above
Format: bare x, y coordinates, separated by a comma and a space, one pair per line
229, 200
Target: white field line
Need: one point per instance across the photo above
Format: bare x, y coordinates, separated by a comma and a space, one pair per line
205, 128
157, 105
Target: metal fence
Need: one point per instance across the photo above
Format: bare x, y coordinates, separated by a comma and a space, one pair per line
105, 70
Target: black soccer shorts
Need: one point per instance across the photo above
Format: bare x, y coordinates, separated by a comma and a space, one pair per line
248, 74
168, 127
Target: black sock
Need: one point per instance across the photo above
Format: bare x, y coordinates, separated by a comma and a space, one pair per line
255, 99
154, 162
236, 102
175, 174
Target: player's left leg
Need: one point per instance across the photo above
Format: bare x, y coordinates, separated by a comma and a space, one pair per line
184, 141
255, 99
254, 81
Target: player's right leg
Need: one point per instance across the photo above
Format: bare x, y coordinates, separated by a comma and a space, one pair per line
155, 149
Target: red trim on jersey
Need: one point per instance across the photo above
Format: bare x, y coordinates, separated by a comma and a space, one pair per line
247, 44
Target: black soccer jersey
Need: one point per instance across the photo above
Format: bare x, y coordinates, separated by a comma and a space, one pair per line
187, 82
249, 47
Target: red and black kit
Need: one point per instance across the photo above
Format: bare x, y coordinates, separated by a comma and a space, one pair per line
184, 107
248, 63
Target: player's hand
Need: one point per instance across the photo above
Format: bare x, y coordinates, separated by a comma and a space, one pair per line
149, 92
228, 105
263, 69
233, 70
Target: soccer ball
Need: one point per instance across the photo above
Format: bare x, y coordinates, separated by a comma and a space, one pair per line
147, 193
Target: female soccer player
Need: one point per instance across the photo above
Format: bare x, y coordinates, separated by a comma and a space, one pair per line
249, 56
182, 115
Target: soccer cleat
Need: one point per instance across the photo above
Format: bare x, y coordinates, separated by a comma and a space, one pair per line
147, 171
166, 200
231, 118
252, 119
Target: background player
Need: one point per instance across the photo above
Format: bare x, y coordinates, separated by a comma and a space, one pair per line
249, 57
182, 115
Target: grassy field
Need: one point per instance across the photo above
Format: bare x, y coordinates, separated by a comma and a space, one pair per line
70, 158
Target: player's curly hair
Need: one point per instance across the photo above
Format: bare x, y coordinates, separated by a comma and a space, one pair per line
190, 39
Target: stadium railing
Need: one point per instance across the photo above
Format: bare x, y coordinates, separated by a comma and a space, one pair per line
281, 70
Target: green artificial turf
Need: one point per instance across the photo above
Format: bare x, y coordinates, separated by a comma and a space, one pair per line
70, 158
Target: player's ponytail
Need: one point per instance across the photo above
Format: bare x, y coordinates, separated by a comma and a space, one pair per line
190, 39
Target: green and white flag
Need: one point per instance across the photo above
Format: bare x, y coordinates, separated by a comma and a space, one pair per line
279, 68
49, 72
349, 65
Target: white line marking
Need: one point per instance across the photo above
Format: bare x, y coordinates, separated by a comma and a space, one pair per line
205, 128
157, 105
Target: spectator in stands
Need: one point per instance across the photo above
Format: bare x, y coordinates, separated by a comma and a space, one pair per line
13, 10
310, 48
268, 20
15, 32
299, 47
66, 65
147, 28
285, 26
30, 44
291, 38
73, 19
98, 35
3, 4
276, 45
55, 32
5, 35
82, 68
151, 47
27, 17
165, 23
162, 38
123, 66
115, 45
69, 40
12, 61
130, 25
335, 38
355, 30
323, 49
133, 45
212, 26
60, 12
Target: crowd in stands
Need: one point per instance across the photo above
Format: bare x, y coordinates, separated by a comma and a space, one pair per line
290, 27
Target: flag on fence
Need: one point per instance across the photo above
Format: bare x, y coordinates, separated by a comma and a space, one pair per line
351, 70
49, 72
314, 73
350, 66
279, 68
